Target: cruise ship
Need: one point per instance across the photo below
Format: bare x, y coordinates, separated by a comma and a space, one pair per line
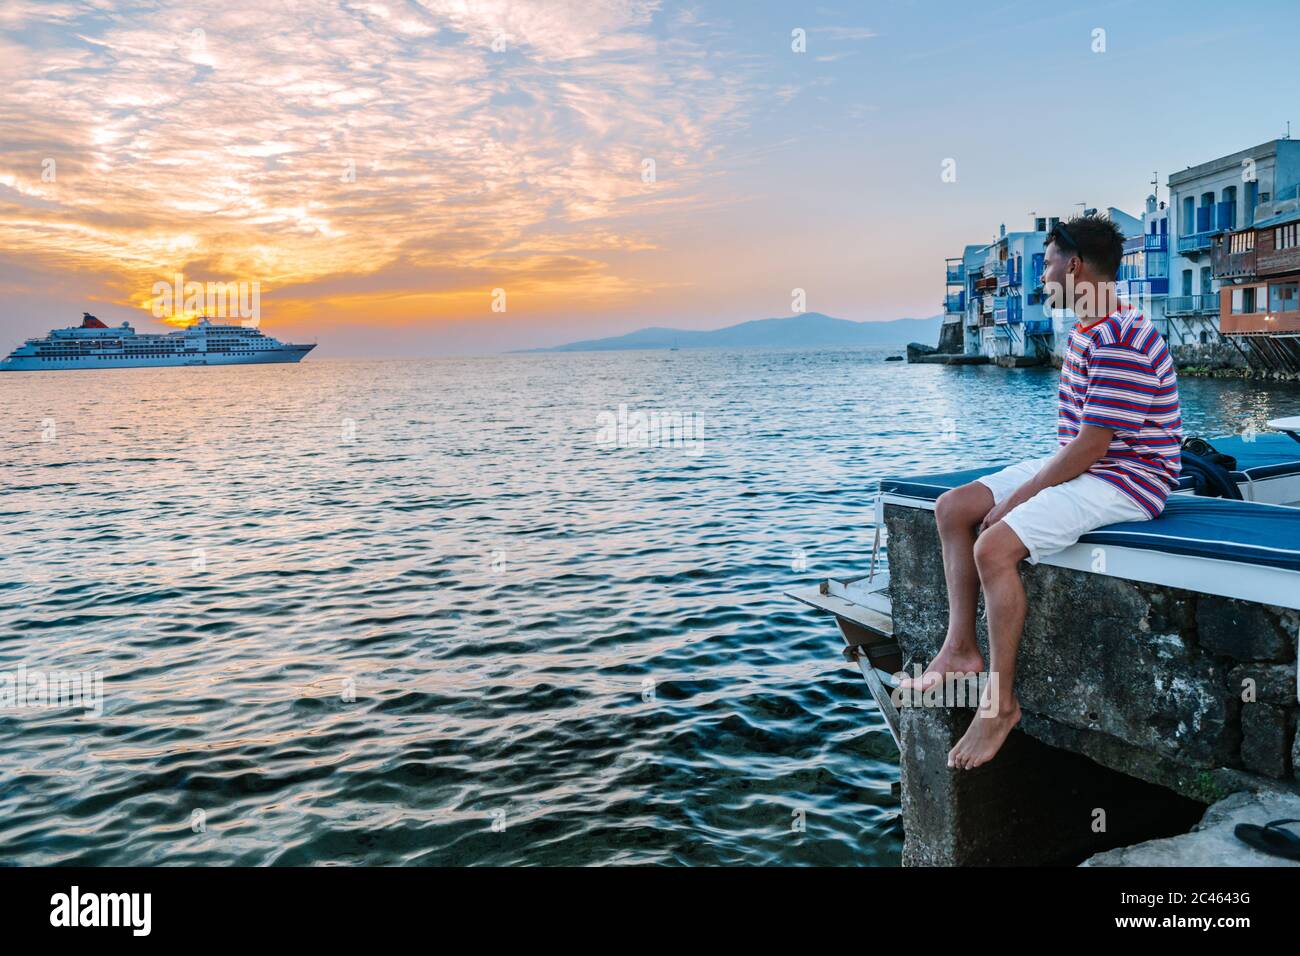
94, 345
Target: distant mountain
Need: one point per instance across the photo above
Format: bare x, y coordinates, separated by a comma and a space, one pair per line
810, 329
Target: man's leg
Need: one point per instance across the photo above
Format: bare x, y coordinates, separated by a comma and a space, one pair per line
998, 554
958, 513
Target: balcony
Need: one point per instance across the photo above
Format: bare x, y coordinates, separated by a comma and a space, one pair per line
1226, 264
1210, 221
1196, 243
1038, 326
954, 302
1143, 287
1147, 242
1001, 310
1204, 304
956, 275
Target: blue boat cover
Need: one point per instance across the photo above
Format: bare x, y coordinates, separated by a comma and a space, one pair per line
1269, 455
1242, 531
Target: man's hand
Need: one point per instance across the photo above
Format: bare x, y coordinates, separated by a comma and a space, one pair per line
1069, 462
1000, 510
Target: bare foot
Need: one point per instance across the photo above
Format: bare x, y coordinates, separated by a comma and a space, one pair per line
984, 737
947, 661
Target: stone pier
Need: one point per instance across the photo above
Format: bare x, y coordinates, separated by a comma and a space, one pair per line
1142, 705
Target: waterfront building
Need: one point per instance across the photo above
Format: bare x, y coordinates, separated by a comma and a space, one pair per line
1206, 202
1258, 269
1006, 318
1144, 271
1004, 315
954, 306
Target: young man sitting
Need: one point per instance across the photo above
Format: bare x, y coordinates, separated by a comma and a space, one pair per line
1119, 431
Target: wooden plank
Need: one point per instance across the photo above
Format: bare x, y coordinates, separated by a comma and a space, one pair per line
869, 594
866, 617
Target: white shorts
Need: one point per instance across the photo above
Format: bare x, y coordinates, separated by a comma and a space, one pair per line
1056, 517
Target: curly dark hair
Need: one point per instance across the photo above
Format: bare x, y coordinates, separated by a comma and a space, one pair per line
1096, 240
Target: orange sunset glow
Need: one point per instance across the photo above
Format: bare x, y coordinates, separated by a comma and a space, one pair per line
363, 162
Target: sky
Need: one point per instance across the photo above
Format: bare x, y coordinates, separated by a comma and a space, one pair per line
440, 177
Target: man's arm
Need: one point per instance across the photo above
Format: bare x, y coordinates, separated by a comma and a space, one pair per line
1122, 386
1069, 462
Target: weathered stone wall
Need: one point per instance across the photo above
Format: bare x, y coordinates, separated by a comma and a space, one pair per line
1212, 356
1142, 679
951, 338
1032, 805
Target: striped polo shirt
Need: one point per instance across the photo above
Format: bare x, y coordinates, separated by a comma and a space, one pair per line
1118, 374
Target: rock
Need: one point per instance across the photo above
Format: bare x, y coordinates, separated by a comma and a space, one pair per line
1211, 842
1031, 805
1246, 631
1272, 683
1214, 356
915, 350
1295, 758
1266, 735
950, 337
1018, 361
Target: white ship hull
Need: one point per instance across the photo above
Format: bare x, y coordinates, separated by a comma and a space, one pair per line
94, 345
293, 353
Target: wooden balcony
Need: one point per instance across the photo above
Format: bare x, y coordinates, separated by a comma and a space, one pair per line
1260, 323
1226, 264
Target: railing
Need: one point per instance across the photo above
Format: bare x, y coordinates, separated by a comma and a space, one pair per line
1140, 285
955, 275
1038, 326
1001, 310
1226, 264
1197, 242
1192, 304
954, 302
1147, 242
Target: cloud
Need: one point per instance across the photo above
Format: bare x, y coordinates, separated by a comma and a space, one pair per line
355, 147
846, 33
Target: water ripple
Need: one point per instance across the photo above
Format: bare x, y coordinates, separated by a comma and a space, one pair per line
413, 612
